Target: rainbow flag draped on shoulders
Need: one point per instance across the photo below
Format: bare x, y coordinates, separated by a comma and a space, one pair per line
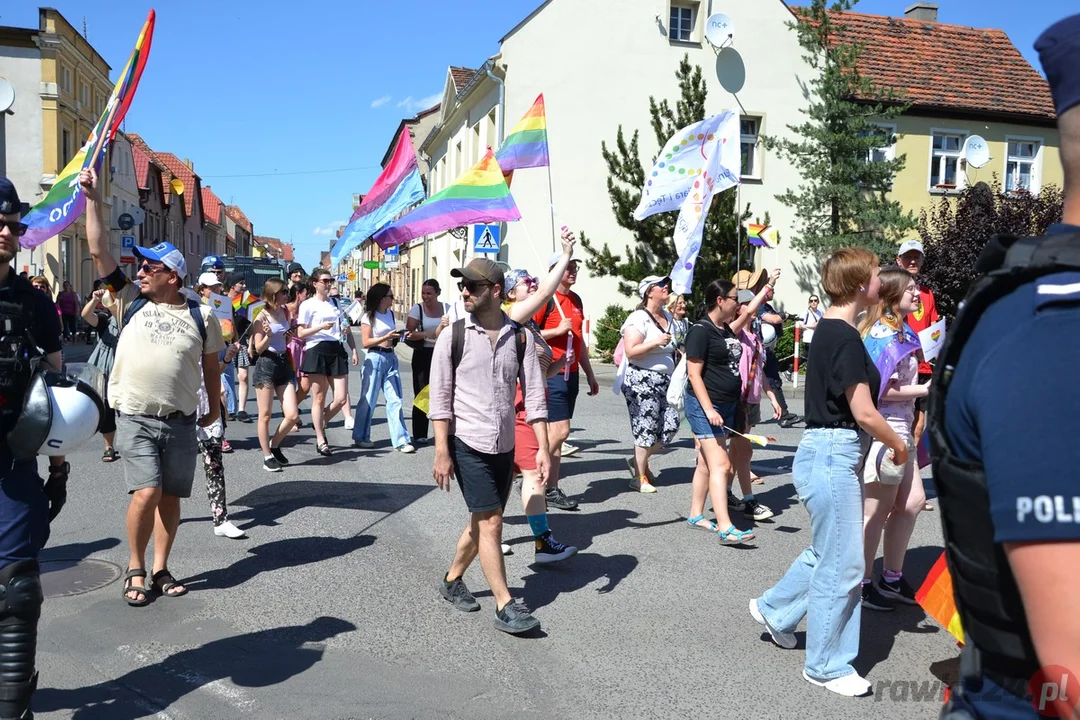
65, 202
527, 144
887, 347
479, 196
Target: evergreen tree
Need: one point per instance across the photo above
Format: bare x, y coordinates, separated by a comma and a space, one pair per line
842, 201
652, 251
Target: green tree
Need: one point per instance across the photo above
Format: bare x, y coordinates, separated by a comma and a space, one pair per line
652, 251
843, 199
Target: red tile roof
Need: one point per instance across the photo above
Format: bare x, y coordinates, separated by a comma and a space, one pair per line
237, 216
211, 206
948, 67
142, 166
461, 76
137, 143
283, 251
187, 176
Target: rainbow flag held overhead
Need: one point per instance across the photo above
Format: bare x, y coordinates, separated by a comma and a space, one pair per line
936, 598
65, 201
527, 144
478, 196
762, 235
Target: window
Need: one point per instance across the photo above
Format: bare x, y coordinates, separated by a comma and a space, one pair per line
1022, 164
65, 78
681, 26
457, 161
945, 160
748, 141
84, 95
886, 149
65, 147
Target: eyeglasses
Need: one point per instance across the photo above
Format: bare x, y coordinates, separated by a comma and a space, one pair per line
813, 301
732, 297
572, 268
18, 229
473, 286
152, 269
327, 280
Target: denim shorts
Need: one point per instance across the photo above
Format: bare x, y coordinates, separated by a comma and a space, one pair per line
562, 397
699, 424
157, 453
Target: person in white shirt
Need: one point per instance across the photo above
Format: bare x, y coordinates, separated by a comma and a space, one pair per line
378, 334
426, 320
325, 360
811, 318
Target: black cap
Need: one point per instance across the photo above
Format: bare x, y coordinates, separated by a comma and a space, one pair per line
233, 278
481, 269
9, 199
293, 267
1059, 53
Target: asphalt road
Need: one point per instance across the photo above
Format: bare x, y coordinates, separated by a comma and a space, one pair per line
331, 608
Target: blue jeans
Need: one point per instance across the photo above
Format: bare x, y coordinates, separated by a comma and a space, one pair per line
824, 581
228, 378
380, 373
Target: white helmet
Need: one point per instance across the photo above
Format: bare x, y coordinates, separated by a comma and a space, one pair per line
60, 414
768, 335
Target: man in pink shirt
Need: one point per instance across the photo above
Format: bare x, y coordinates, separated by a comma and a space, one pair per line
472, 412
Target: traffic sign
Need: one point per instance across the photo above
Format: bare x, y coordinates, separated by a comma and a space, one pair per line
352, 275
342, 278
372, 264
125, 221
395, 251
127, 242
486, 239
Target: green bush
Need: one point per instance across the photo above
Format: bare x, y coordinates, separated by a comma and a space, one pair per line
606, 333
785, 346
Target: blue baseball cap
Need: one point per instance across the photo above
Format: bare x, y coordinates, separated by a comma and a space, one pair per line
212, 261
1059, 53
166, 254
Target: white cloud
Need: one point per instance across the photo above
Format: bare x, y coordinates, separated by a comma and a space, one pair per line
379, 102
416, 105
330, 229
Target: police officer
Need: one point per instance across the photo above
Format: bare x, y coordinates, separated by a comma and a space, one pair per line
29, 330
1005, 449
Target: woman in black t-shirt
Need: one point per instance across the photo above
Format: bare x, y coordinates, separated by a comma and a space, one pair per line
712, 399
824, 582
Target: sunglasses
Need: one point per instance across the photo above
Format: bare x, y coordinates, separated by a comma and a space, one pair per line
813, 300
18, 229
327, 280
152, 269
473, 286
732, 297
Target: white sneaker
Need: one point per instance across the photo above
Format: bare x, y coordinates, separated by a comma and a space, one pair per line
853, 685
348, 423
568, 449
227, 529
406, 448
785, 640
506, 549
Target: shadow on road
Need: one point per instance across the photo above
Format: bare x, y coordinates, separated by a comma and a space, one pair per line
276, 555
257, 659
581, 529
77, 551
546, 584
268, 504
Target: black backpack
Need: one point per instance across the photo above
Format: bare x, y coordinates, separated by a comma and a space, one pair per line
193, 307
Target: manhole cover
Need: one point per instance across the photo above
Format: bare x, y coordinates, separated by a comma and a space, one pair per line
63, 578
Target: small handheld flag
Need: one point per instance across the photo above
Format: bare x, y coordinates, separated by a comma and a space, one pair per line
762, 235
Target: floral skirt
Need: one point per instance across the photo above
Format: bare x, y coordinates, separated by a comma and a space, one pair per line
652, 420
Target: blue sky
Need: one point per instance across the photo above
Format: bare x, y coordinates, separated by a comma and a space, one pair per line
250, 91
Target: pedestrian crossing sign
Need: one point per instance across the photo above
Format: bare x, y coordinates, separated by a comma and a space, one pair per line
486, 239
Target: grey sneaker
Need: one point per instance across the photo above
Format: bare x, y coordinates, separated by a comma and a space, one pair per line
271, 464
515, 618
458, 595
756, 511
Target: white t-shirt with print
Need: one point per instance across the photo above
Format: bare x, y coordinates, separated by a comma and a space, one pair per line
314, 312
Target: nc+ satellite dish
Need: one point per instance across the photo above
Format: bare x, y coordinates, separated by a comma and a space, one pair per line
7, 95
720, 30
976, 151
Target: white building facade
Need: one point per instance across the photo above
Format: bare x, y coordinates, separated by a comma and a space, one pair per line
21, 132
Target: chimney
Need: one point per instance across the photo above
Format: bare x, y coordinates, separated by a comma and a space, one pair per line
925, 11
191, 166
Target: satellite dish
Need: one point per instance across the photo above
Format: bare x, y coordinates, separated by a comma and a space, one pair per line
177, 186
137, 214
720, 30
7, 95
976, 151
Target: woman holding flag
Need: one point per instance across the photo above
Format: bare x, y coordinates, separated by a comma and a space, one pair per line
893, 496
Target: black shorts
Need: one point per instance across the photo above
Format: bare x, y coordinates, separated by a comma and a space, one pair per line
923, 404
271, 370
326, 358
485, 480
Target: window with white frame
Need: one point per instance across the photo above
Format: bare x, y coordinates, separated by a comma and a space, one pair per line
749, 128
84, 95
945, 156
65, 78
886, 148
1022, 164
681, 24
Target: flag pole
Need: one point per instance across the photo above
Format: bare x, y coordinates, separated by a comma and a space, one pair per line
551, 199
528, 240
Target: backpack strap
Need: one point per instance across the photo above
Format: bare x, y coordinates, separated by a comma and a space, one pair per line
457, 343
193, 307
521, 344
133, 307
548, 309
196, 314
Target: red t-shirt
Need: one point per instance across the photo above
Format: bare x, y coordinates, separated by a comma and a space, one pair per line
572, 306
923, 318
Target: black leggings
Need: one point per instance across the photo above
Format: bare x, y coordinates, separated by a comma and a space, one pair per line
421, 376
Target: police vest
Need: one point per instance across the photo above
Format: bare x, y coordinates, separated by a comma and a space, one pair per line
19, 351
987, 597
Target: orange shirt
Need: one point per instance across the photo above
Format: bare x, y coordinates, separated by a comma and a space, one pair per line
923, 318
572, 306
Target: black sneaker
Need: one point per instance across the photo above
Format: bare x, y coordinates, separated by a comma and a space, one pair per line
549, 550
754, 510
515, 618
459, 596
873, 600
557, 498
279, 456
789, 420
243, 417
271, 464
898, 591
735, 503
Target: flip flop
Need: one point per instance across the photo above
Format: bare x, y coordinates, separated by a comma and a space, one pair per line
128, 587
164, 586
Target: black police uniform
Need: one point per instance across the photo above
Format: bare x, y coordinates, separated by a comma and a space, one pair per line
29, 328
1004, 467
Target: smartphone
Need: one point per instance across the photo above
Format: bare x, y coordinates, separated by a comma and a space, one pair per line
401, 335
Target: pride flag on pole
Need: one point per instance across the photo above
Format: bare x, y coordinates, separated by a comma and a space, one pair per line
936, 598
479, 196
762, 235
64, 201
527, 144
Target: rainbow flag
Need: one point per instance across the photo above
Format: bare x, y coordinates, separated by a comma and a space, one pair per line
527, 144
64, 201
478, 196
936, 598
762, 235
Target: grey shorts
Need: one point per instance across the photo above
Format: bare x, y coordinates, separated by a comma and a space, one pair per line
157, 453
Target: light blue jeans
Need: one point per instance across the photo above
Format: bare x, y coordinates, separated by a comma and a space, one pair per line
228, 378
824, 582
380, 372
